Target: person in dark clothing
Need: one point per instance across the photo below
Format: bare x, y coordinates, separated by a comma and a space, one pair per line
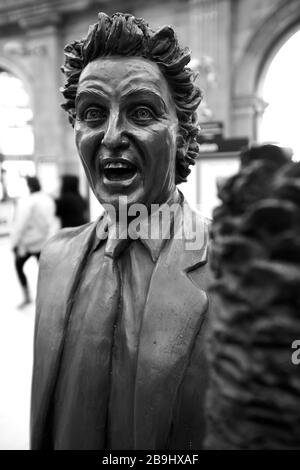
71, 207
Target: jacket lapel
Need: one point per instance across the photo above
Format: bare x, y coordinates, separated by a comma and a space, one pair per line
172, 319
54, 305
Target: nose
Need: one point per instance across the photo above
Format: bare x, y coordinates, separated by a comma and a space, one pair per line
114, 136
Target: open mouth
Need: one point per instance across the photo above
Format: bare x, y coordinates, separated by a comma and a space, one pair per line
119, 171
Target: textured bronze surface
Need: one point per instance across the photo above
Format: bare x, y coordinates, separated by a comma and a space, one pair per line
254, 394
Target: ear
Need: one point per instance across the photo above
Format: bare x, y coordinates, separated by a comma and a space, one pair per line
182, 169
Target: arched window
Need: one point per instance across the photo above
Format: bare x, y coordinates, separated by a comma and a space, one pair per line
281, 91
16, 134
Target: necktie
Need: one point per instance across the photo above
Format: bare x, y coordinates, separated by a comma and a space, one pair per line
114, 304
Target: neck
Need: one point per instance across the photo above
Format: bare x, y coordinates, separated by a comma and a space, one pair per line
122, 215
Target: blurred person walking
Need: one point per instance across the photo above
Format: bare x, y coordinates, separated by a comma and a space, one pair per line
71, 207
34, 223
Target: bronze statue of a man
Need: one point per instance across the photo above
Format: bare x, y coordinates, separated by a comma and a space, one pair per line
119, 360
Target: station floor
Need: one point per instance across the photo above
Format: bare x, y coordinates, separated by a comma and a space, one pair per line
16, 352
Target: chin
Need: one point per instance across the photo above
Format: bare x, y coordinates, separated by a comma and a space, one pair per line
120, 200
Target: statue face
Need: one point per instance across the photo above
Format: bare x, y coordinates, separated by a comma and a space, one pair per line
126, 128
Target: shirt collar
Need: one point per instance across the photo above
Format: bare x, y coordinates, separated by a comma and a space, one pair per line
114, 245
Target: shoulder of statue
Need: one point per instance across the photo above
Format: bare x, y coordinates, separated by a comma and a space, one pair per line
65, 242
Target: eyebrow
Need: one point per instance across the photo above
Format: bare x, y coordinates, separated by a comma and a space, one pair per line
91, 92
134, 93
137, 92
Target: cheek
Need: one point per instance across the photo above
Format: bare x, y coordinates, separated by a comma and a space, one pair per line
87, 142
159, 140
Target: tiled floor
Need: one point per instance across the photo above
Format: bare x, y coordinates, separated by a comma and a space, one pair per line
16, 348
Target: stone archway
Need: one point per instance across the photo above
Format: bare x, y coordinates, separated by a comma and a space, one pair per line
20, 73
16, 130
247, 103
279, 86
16, 115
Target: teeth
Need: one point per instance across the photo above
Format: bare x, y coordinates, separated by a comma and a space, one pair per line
116, 165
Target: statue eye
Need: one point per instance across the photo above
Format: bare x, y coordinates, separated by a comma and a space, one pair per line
142, 115
94, 115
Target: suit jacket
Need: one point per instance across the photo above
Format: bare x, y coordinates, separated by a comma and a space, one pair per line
171, 377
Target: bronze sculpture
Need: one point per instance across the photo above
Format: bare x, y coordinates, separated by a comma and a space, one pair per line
119, 337
253, 398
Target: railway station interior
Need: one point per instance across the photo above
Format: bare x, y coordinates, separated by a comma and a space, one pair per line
246, 57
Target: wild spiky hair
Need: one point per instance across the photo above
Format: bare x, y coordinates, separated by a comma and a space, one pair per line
124, 35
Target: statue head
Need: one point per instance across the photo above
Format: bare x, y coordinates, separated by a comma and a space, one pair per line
132, 101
